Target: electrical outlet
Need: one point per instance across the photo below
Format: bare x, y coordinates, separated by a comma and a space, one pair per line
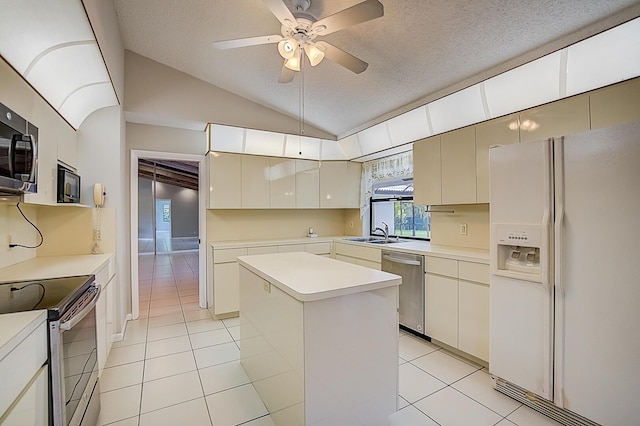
463, 229
267, 286
97, 236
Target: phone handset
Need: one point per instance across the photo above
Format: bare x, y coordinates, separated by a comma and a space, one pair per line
98, 194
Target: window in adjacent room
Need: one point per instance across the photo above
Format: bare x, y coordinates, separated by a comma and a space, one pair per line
392, 203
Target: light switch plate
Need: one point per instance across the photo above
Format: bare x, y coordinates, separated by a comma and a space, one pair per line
463, 229
267, 286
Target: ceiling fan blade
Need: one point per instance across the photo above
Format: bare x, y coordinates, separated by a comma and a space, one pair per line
281, 12
361, 12
343, 58
286, 75
244, 42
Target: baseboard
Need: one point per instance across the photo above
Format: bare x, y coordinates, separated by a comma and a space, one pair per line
117, 337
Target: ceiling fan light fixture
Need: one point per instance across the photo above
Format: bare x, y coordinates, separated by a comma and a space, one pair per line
315, 54
287, 48
293, 63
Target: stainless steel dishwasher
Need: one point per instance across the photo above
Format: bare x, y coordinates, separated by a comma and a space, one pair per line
411, 268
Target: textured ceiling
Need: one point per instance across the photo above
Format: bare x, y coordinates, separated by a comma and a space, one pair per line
419, 50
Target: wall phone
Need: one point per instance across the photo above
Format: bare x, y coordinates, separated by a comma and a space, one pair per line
98, 194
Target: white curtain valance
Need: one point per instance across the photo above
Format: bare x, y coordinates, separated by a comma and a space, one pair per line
393, 167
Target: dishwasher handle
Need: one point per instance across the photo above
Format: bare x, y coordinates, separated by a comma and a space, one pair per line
400, 260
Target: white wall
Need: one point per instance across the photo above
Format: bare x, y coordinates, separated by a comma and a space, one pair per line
180, 100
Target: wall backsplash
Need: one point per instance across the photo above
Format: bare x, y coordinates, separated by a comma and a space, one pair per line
235, 225
13, 224
445, 227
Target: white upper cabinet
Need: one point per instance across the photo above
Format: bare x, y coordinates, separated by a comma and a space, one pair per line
255, 182
354, 174
225, 178
458, 156
333, 188
565, 117
499, 131
427, 172
307, 184
282, 183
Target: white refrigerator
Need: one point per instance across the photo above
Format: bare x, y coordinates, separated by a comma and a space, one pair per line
565, 275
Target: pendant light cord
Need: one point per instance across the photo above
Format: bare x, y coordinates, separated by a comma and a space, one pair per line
301, 101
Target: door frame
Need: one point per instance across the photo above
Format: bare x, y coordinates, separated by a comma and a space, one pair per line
202, 223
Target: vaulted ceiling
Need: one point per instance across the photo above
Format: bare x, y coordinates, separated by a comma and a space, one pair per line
419, 51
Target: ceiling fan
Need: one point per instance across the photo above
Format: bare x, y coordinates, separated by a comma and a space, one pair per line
300, 30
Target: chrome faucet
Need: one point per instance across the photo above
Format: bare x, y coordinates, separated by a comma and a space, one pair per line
385, 231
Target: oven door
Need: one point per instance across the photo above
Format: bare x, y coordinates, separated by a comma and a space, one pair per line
74, 363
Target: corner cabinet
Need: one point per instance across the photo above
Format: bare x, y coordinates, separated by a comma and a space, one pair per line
225, 181
339, 184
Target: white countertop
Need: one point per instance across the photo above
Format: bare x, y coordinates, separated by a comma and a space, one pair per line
262, 243
428, 249
417, 247
308, 277
14, 328
40, 268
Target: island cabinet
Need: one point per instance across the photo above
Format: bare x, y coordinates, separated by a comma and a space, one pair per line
319, 339
457, 304
225, 282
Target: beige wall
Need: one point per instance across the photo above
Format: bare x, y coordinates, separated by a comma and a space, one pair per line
235, 225
165, 139
445, 227
12, 224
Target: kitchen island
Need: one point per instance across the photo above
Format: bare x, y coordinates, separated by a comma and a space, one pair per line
319, 339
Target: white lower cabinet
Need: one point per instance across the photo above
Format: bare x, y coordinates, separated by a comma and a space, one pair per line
359, 255
226, 284
105, 311
24, 385
441, 309
457, 304
473, 322
32, 406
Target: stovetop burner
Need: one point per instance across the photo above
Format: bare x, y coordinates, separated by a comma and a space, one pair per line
55, 294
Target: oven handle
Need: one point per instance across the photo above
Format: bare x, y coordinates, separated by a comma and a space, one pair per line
89, 305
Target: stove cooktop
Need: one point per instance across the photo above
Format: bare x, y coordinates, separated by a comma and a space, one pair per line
55, 294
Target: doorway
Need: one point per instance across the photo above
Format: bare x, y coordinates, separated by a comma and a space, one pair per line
169, 207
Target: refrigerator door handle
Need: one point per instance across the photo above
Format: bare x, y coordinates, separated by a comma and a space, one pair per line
558, 390
546, 217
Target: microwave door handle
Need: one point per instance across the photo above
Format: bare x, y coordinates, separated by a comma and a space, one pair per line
12, 160
34, 158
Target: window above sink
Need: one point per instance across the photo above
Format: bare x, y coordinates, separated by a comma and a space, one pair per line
392, 203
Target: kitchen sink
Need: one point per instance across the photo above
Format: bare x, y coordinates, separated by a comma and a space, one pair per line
376, 240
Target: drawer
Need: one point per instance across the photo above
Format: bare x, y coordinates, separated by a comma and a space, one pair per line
477, 272
318, 248
21, 364
440, 266
262, 250
228, 255
291, 248
360, 252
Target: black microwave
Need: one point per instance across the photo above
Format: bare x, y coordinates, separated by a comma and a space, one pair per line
18, 153
68, 186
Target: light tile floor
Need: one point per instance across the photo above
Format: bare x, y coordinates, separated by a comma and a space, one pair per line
179, 366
